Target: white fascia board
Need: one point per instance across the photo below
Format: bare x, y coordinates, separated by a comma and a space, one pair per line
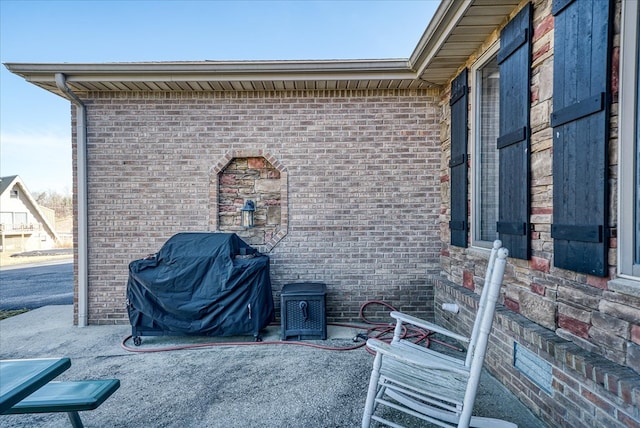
216, 70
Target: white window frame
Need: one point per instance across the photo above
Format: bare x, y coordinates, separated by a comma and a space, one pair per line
475, 127
628, 111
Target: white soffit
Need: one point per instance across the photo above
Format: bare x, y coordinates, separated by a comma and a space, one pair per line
456, 31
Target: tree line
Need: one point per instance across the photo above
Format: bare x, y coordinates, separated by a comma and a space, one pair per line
61, 204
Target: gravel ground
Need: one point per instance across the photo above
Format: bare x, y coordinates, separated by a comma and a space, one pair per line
265, 385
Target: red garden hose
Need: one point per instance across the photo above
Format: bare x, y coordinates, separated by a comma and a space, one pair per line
378, 330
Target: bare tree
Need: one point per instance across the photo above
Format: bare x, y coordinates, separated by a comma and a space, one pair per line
61, 204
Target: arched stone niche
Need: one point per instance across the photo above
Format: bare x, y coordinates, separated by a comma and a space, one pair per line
256, 176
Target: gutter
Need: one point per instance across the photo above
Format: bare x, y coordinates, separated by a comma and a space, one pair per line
280, 69
446, 18
83, 236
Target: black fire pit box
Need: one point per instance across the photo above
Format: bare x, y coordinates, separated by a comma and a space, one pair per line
303, 311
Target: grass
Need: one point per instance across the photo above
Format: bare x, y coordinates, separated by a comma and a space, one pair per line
7, 260
11, 313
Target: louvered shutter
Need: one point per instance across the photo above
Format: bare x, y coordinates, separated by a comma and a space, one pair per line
580, 122
514, 59
458, 163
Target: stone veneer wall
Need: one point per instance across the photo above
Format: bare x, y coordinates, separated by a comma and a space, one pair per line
587, 327
362, 174
255, 179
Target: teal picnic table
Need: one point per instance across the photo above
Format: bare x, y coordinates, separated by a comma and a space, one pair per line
20, 378
27, 386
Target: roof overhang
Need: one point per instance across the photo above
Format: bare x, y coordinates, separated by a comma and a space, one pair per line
224, 75
456, 31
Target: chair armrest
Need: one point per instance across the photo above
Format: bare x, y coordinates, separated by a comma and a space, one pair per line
427, 325
415, 357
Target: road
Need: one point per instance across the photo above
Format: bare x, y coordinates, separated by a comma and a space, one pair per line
35, 286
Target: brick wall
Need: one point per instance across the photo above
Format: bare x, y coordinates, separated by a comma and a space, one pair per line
362, 171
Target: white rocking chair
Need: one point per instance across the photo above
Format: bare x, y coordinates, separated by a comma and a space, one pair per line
435, 387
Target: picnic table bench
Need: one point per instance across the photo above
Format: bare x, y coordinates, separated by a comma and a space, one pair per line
26, 386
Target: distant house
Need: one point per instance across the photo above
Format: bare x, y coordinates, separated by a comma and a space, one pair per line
389, 179
24, 225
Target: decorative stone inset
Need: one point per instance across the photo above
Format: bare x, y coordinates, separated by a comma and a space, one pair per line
243, 176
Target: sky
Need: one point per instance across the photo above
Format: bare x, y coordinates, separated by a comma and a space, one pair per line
35, 125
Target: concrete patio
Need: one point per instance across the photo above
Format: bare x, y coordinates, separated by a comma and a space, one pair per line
269, 385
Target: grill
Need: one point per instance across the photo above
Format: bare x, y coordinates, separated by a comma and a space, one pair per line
206, 284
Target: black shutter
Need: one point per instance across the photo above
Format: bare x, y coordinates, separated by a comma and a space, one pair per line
580, 121
514, 59
458, 162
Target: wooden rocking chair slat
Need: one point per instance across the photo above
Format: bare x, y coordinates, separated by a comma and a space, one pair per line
435, 354
410, 412
439, 384
417, 357
476, 421
397, 390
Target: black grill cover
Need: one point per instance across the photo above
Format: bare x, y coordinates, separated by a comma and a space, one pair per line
195, 285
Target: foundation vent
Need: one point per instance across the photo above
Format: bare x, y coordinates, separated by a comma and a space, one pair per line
533, 367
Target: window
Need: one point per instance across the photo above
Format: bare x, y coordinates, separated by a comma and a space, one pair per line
501, 134
6, 218
13, 194
629, 183
13, 220
20, 219
486, 102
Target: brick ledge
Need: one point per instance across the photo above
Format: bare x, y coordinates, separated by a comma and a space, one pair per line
619, 381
